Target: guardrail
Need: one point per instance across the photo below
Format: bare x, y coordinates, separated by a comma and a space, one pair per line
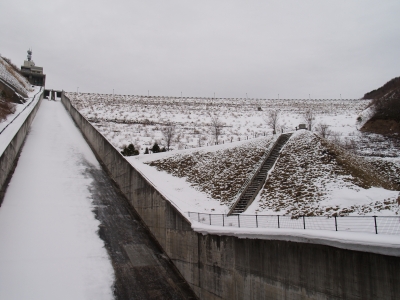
26, 106
370, 224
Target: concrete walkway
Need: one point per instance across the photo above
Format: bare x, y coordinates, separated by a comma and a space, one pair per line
57, 200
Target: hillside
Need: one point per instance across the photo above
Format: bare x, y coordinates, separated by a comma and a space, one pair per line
315, 177
221, 173
385, 104
388, 87
13, 88
312, 177
9, 73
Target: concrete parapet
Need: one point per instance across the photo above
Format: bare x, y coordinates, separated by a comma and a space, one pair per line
229, 267
9, 157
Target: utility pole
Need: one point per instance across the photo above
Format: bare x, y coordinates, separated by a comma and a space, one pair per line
77, 90
148, 93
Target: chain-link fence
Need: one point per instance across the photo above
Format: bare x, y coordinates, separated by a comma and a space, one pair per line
370, 224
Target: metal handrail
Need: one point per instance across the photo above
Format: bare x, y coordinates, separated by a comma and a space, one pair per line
26, 106
370, 224
250, 177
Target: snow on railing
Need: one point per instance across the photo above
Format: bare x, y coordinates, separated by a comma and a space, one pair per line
370, 224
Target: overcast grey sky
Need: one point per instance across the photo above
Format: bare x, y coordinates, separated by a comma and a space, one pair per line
262, 48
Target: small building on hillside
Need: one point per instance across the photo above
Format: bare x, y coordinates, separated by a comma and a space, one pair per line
33, 73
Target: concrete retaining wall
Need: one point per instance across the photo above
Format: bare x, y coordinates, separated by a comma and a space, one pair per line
8, 158
226, 267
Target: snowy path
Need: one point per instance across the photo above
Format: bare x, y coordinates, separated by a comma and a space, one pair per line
49, 248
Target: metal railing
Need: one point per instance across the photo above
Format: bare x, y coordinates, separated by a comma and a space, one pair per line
370, 224
26, 106
255, 171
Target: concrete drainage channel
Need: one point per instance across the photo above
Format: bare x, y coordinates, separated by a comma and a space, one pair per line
141, 268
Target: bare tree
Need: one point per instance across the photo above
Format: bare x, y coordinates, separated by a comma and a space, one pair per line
309, 118
168, 132
323, 130
216, 127
199, 142
272, 119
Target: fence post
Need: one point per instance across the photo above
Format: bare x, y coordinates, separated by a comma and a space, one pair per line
210, 218
189, 214
223, 220
335, 223
239, 220
376, 226
279, 225
304, 222
198, 217
256, 222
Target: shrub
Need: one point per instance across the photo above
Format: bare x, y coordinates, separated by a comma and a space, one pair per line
155, 148
129, 151
6, 107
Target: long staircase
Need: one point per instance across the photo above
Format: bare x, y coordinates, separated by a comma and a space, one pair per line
250, 192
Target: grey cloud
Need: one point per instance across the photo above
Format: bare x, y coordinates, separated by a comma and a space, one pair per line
294, 48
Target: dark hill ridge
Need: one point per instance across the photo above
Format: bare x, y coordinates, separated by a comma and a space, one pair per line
388, 87
386, 107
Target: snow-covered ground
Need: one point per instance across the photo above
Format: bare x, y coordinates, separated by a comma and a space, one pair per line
309, 179
125, 119
49, 245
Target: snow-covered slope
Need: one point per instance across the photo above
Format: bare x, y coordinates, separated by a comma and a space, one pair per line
315, 177
8, 74
311, 177
219, 173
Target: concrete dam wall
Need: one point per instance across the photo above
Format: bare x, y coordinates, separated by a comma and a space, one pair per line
227, 267
9, 157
